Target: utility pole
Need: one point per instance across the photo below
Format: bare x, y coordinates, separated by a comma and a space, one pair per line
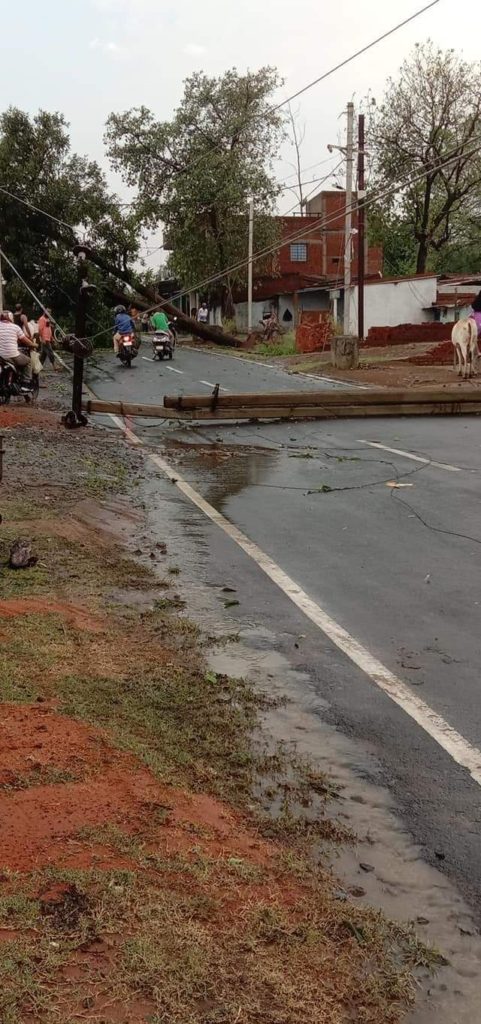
361, 255
249, 278
78, 345
348, 222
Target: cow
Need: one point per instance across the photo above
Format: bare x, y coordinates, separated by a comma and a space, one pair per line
464, 337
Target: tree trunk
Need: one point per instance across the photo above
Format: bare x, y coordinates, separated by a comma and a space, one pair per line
422, 256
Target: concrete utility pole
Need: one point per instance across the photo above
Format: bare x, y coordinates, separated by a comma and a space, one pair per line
249, 278
361, 256
348, 222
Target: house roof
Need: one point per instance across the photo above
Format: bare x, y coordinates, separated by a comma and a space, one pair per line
453, 300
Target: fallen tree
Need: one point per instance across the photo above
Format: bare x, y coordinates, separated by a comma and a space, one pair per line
154, 299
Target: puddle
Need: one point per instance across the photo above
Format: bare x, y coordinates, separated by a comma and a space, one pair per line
226, 470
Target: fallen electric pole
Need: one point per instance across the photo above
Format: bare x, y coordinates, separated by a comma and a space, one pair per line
295, 405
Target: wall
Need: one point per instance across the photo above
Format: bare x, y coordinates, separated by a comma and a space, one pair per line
318, 299
391, 303
241, 313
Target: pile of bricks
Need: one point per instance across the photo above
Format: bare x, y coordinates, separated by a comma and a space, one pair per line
405, 334
437, 355
313, 334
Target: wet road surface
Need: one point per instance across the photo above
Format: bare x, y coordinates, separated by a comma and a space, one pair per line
397, 567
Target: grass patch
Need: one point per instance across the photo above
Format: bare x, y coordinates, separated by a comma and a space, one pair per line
284, 346
206, 930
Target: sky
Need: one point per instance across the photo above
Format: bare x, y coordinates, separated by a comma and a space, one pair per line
87, 58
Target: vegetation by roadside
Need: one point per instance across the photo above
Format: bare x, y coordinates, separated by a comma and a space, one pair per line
143, 877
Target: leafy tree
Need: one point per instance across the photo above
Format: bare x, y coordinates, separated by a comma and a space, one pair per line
195, 173
431, 112
37, 165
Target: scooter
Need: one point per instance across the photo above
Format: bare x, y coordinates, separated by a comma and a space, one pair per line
163, 345
127, 349
14, 385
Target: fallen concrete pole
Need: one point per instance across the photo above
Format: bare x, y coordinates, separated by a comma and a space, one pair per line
272, 410
347, 396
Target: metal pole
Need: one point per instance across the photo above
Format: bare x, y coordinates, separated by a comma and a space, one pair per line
361, 255
80, 332
348, 222
249, 279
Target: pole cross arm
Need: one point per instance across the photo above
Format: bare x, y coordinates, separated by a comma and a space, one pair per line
81, 347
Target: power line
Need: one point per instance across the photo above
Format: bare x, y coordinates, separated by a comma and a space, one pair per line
29, 289
310, 85
37, 209
320, 223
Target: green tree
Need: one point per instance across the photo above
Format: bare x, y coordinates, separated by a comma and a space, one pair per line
432, 111
195, 173
37, 166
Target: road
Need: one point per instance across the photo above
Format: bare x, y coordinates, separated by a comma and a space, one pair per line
377, 524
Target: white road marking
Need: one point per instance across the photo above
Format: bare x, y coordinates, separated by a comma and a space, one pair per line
410, 455
173, 369
147, 360
459, 748
209, 385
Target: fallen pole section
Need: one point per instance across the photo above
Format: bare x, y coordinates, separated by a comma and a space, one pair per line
292, 405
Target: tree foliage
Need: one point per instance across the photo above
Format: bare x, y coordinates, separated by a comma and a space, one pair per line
37, 166
195, 173
430, 113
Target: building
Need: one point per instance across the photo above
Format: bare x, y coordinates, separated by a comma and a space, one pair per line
416, 299
309, 265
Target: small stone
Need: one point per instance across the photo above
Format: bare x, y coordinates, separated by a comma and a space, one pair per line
422, 920
357, 891
367, 868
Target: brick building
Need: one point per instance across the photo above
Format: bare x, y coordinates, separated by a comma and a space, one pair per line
308, 267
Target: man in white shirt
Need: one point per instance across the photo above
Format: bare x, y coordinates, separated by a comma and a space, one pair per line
10, 337
203, 314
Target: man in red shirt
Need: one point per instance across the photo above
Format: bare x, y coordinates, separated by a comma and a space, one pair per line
45, 333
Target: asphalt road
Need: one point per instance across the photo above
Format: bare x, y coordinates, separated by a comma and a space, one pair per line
397, 567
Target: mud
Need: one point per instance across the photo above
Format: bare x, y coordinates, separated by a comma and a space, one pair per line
78, 617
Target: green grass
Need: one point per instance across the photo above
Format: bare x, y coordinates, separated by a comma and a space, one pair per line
283, 346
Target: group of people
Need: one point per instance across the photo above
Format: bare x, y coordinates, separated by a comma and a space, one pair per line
23, 341
128, 322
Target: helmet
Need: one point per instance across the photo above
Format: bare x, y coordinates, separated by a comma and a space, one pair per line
120, 309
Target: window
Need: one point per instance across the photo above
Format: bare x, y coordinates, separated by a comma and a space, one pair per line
299, 252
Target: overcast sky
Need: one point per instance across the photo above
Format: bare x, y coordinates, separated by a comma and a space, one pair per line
87, 58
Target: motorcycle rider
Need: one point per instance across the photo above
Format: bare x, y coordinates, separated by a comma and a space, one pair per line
123, 325
11, 336
160, 321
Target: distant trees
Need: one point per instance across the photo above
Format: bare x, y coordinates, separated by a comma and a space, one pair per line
38, 166
431, 112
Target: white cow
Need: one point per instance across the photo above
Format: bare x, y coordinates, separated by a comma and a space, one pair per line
464, 337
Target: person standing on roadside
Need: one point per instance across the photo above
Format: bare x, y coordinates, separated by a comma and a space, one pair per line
21, 320
203, 314
45, 333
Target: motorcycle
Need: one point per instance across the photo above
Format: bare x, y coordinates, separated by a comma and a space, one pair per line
127, 349
14, 385
163, 345
173, 330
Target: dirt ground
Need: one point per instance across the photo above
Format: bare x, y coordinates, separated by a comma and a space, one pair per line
142, 878
383, 367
